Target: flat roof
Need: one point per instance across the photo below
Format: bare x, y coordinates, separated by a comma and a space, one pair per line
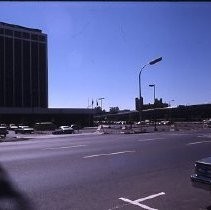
14, 110
13, 26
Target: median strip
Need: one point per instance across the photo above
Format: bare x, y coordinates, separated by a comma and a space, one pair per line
109, 154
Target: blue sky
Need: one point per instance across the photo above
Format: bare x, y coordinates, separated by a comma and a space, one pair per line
96, 49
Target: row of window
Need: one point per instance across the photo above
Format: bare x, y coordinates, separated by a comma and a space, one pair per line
24, 35
23, 74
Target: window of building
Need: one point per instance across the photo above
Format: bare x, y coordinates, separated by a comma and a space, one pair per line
25, 35
9, 71
1, 31
18, 34
42, 38
8, 32
34, 37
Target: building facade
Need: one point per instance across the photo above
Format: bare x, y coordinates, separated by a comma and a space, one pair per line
24, 81
23, 67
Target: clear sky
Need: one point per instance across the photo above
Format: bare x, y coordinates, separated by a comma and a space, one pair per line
96, 49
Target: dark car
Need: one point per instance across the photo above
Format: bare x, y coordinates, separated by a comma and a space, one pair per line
75, 127
3, 132
202, 176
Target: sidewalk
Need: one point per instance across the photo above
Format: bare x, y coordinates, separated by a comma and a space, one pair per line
56, 136
22, 137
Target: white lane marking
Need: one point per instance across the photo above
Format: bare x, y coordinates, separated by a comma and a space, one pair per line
66, 147
204, 136
137, 202
199, 142
151, 139
109, 154
178, 134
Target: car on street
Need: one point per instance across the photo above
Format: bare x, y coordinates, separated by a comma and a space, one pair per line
63, 130
202, 176
44, 126
64, 127
13, 127
3, 132
209, 123
75, 126
23, 129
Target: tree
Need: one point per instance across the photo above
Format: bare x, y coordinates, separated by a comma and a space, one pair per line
98, 110
114, 110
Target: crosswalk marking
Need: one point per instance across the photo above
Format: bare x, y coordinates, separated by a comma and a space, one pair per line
137, 202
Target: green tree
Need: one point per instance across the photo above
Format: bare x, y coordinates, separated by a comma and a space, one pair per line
114, 110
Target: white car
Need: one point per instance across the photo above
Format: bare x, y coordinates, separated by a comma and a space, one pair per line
13, 127
24, 129
64, 130
65, 127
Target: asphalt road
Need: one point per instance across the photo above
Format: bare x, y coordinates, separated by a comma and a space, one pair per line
104, 172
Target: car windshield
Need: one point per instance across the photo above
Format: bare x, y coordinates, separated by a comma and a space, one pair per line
105, 105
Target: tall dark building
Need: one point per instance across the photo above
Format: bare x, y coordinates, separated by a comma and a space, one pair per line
23, 67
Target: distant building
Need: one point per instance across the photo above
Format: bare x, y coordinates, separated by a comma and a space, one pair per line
23, 67
158, 104
138, 103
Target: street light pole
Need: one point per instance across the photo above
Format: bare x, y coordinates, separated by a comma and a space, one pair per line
155, 128
140, 81
140, 97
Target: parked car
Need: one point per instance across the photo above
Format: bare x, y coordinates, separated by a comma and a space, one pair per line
64, 127
209, 123
202, 176
63, 130
44, 126
75, 126
23, 129
13, 127
3, 132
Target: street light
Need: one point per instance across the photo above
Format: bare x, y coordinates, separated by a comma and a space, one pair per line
155, 129
154, 90
140, 97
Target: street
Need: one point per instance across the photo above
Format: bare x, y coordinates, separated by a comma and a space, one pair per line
104, 172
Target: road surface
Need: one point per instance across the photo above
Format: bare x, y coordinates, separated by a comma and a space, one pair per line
104, 172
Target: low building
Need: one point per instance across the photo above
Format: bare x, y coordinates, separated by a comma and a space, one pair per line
158, 104
59, 116
196, 112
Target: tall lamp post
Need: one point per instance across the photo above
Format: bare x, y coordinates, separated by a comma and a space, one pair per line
140, 97
155, 128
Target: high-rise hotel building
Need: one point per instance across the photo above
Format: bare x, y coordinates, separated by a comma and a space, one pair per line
23, 67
